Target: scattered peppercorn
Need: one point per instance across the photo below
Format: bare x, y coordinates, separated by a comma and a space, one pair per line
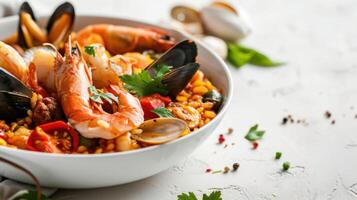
356, 116
285, 120
278, 155
230, 130
235, 166
221, 139
208, 170
286, 166
233, 143
328, 114
226, 170
255, 145
333, 121
226, 145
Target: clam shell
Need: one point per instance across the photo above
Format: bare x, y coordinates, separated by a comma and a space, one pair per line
161, 130
223, 23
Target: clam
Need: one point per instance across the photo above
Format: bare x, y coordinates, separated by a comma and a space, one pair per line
218, 19
182, 59
187, 19
161, 130
222, 20
15, 97
217, 45
60, 24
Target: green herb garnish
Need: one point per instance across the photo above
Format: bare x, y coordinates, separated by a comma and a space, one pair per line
239, 55
253, 134
216, 195
278, 155
286, 166
90, 50
162, 112
143, 84
97, 96
30, 195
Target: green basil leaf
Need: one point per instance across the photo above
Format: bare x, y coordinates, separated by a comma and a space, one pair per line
239, 55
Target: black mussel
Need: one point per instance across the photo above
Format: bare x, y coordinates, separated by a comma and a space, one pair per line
60, 24
10, 83
13, 105
29, 33
178, 78
181, 54
15, 97
182, 60
215, 97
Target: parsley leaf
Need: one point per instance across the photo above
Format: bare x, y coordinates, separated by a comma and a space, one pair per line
189, 196
143, 84
162, 112
98, 96
89, 50
239, 55
215, 195
30, 195
253, 134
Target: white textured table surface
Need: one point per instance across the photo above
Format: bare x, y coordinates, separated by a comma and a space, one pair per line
318, 40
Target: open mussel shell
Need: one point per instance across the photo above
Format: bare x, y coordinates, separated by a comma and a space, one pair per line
13, 105
60, 24
24, 37
161, 130
15, 97
181, 54
178, 78
10, 83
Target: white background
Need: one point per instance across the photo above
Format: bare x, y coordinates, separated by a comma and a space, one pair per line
318, 41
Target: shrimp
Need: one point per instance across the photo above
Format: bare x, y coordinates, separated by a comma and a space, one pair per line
73, 80
44, 59
105, 69
11, 60
122, 39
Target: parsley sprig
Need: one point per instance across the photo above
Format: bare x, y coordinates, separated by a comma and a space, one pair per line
216, 195
143, 84
253, 134
90, 50
97, 96
162, 112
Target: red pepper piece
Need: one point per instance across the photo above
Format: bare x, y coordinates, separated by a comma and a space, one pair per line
41, 139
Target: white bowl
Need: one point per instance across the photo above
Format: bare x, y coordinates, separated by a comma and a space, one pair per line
92, 171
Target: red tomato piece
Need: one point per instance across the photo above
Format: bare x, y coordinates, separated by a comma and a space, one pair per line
151, 102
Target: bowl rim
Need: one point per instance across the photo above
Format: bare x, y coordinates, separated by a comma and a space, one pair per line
227, 100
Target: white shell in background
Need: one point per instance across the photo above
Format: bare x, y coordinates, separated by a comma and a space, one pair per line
225, 24
194, 28
217, 45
